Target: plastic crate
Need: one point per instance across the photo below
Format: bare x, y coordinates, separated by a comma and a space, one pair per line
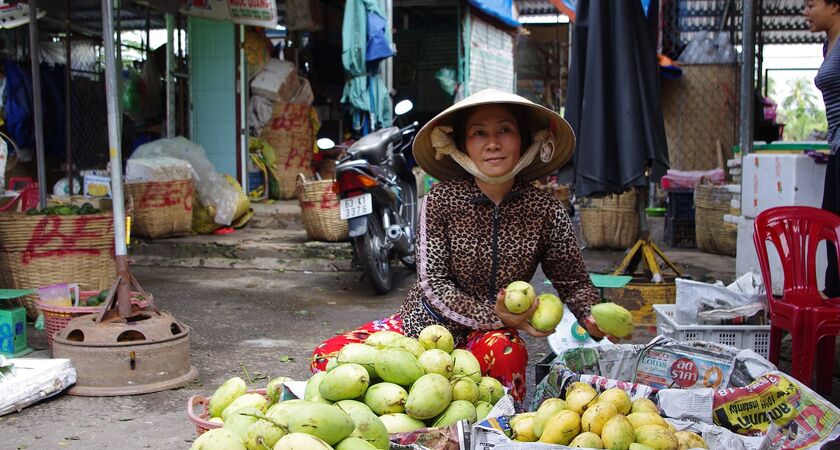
680, 205
680, 233
753, 337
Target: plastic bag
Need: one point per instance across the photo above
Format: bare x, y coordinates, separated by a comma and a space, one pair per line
709, 48
213, 190
446, 78
694, 296
162, 168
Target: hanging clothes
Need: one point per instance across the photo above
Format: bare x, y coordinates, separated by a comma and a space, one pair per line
365, 91
17, 98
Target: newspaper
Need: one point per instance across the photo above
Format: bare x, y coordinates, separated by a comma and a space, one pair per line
777, 405
662, 363
493, 434
748, 396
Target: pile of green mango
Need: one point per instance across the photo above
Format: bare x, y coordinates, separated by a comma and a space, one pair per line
65, 210
97, 299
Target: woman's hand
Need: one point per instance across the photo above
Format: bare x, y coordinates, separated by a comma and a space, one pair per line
518, 321
595, 331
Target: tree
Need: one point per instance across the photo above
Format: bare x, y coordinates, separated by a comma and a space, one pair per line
802, 111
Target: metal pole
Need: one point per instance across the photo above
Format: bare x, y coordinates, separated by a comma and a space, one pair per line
389, 62
68, 98
35, 56
747, 77
148, 33
170, 62
243, 110
115, 151
760, 81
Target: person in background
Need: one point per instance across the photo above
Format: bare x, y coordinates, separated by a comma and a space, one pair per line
483, 226
824, 16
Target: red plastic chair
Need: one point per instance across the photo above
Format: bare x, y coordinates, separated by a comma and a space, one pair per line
811, 319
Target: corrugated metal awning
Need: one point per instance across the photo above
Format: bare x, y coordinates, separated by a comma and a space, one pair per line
782, 21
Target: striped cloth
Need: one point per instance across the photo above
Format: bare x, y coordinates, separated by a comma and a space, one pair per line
828, 82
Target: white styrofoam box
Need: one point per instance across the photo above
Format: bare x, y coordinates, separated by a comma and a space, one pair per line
771, 180
33, 380
735, 203
277, 81
746, 258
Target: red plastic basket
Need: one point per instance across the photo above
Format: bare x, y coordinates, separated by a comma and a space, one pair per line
57, 317
202, 420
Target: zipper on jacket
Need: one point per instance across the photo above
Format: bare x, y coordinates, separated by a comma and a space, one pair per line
494, 254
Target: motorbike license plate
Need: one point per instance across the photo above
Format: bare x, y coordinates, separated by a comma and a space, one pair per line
361, 205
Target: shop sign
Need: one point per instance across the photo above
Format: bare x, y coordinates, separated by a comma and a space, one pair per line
261, 13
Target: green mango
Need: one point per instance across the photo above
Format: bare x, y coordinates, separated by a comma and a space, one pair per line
225, 395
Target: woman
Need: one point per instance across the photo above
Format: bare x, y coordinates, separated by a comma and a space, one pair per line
824, 16
484, 226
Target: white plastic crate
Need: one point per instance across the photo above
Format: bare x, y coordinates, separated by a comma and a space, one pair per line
753, 337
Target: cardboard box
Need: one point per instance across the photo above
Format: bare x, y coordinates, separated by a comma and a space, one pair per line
97, 186
278, 81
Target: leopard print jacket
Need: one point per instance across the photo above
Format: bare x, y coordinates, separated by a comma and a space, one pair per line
468, 249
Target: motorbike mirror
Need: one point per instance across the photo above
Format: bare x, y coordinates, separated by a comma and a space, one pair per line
325, 143
403, 107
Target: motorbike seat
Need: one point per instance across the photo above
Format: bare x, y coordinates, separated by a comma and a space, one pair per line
373, 146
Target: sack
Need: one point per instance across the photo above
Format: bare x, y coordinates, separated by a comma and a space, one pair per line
291, 133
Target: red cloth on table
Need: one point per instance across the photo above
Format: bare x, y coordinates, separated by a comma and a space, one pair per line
501, 353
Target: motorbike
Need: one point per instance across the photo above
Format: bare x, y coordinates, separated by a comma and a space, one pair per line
378, 197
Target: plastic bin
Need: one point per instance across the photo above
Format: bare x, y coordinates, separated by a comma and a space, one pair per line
680, 205
753, 337
680, 233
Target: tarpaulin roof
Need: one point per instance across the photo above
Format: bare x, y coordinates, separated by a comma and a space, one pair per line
498, 9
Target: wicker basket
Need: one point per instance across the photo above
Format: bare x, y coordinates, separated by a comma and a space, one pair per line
57, 317
160, 208
319, 211
640, 295
712, 234
202, 419
39, 251
610, 222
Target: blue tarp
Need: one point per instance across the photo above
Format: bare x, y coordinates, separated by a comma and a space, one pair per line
498, 9
572, 4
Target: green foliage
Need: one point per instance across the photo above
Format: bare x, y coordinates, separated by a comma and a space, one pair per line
802, 111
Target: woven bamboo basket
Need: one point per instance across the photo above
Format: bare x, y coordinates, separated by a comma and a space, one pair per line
39, 251
203, 216
320, 212
610, 222
712, 234
160, 208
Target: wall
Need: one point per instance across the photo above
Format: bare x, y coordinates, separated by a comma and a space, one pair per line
213, 91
